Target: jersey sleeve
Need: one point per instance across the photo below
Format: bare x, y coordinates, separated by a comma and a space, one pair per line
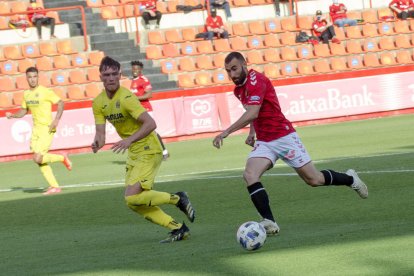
97, 112
52, 97
24, 105
133, 106
256, 89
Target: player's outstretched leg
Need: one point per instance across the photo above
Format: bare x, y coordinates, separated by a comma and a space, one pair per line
270, 226
66, 161
358, 185
180, 234
185, 205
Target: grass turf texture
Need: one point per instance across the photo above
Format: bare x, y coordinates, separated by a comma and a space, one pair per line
88, 230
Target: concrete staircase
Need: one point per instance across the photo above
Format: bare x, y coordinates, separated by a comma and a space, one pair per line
115, 45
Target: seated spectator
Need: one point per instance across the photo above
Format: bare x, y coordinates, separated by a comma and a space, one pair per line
403, 8
38, 18
277, 6
215, 26
322, 30
149, 12
221, 4
338, 15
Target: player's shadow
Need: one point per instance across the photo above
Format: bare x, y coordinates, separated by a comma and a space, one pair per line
33, 190
119, 162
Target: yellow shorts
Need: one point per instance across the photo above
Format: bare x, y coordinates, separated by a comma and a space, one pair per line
142, 168
41, 139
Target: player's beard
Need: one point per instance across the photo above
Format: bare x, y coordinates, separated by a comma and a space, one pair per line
241, 79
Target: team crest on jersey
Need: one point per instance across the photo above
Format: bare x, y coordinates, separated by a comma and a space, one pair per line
37, 95
118, 104
253, 79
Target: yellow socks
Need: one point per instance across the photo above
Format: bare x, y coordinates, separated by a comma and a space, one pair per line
146, 204
156, 215
48, 175
153, 198
50, 158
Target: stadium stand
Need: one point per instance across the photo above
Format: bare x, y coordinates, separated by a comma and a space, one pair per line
269, 45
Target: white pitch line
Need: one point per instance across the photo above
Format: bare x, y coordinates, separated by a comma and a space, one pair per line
121, 183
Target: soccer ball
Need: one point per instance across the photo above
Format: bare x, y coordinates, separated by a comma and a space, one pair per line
251, 235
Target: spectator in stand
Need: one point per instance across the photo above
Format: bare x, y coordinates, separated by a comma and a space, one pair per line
149, 12
39, 18
402, 8
337, 12
215, 26
221, 4
323, 30
277, 6
142, 88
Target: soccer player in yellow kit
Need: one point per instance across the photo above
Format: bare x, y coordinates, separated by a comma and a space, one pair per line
136, 128
39, 100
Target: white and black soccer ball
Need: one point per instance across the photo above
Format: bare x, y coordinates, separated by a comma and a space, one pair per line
251, 235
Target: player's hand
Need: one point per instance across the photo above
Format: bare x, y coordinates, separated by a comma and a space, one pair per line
121, 146
218, 140
95, 146
250, 140
53, 126
9, 115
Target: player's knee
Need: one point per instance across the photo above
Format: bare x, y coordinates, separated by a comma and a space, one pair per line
37, 158
250, 177
313, 182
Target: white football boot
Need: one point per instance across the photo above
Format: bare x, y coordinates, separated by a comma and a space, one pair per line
358, 185
271, 227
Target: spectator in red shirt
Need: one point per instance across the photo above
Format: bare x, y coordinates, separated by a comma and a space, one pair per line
149, 12
322, 30
215, 26
338, 15
142, 88
403, 8
38, 18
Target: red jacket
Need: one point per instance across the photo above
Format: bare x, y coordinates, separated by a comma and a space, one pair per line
402, 5
149, 5
37, 12
316, 25
333, 12
217, 23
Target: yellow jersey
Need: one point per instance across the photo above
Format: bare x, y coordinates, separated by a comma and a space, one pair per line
122, 111
39, 101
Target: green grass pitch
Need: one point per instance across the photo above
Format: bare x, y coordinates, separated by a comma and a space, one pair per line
88, 230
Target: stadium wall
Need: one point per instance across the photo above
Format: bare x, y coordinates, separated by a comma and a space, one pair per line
189, 113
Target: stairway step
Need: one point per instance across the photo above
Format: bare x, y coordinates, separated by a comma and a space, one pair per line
58, 4
163, 86
96, 38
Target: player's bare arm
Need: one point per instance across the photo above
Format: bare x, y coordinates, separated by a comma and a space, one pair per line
147, 95
252, 111
99, 140
59, 112
148, 126
19, 114
251, 138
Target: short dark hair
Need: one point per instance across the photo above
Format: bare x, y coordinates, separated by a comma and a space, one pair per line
234, 55
32, 70
108, 62
137, 63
